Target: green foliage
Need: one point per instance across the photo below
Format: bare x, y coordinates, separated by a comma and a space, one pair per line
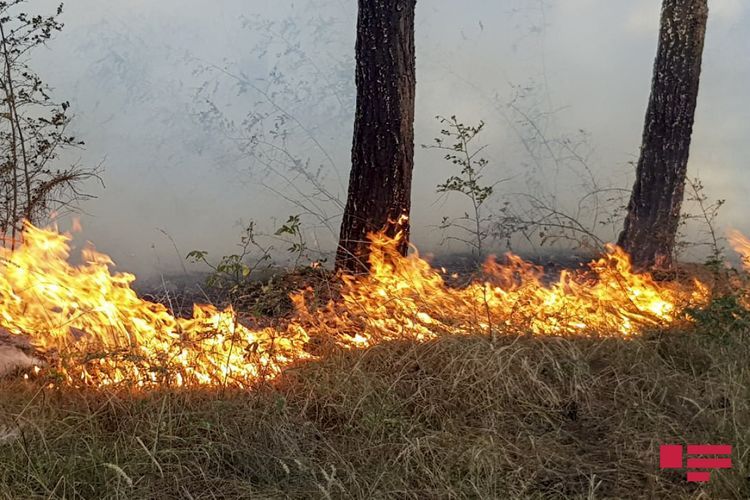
293, 228
723, 314
236, 275
232, 270
467, 182
457, 140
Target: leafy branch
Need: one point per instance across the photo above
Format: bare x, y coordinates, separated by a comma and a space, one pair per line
457, 139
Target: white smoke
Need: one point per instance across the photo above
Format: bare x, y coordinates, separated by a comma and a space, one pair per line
12, 358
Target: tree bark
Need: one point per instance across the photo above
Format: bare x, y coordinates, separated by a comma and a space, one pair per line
654, 209
383, 147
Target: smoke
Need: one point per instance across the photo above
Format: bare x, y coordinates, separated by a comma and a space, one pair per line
160, 92
12, 358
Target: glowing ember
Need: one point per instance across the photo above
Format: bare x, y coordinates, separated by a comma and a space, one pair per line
95, 330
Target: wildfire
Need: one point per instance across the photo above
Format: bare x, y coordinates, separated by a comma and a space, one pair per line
405, 296
741, 245
92, 324
93, 329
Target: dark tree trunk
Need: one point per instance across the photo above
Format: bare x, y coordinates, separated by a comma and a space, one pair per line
654, 208
383, 148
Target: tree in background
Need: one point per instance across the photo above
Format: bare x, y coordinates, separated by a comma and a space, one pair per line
383, 150
33, 128
654, 209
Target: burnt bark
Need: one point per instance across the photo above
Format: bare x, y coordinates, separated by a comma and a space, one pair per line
654, 209
383, 147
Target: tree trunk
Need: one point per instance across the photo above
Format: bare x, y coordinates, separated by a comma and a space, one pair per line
654, 209
383, 148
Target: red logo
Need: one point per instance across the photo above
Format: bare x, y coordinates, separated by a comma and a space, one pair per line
671, 457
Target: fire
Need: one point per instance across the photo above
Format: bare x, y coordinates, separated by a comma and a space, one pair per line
405, 296
93, 329
741, 245
99, 331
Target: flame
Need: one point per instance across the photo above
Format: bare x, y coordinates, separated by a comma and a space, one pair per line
405, 296
94, 329
101, 332
741, 245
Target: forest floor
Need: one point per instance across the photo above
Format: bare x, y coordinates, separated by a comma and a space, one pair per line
459, 417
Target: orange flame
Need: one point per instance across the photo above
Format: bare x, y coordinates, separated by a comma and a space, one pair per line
95, 330
741, 245
404, 296
103, 333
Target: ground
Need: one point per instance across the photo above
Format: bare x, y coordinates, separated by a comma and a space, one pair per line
459, 417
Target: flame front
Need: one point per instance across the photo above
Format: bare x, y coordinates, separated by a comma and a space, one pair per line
405, 296
95, 330
100, 332
741, 245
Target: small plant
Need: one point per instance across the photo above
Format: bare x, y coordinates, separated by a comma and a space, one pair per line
298, 246
724, 314
232, 271
457, 140
236, 276
705, 213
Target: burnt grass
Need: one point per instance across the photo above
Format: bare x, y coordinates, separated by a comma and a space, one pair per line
264, 296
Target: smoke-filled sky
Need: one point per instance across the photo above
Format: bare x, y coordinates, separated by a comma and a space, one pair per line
210, 114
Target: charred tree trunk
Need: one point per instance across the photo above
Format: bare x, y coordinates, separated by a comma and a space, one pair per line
383, 148
654, 209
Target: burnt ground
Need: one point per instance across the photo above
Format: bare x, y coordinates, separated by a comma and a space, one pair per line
466, 266
266, 292
177, 291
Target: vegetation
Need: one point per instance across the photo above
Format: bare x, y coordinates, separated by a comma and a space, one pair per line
456, 140
33, 127
460, 417
231, 271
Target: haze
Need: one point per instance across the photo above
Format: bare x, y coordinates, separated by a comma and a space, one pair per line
142, 78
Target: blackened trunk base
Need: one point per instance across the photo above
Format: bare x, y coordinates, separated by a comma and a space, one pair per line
383, 147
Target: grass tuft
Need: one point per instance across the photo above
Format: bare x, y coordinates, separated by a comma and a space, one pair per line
459, 417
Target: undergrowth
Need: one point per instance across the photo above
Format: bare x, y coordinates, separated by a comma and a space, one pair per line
460, 417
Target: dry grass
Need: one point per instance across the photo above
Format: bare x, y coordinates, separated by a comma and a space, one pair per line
461, 417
